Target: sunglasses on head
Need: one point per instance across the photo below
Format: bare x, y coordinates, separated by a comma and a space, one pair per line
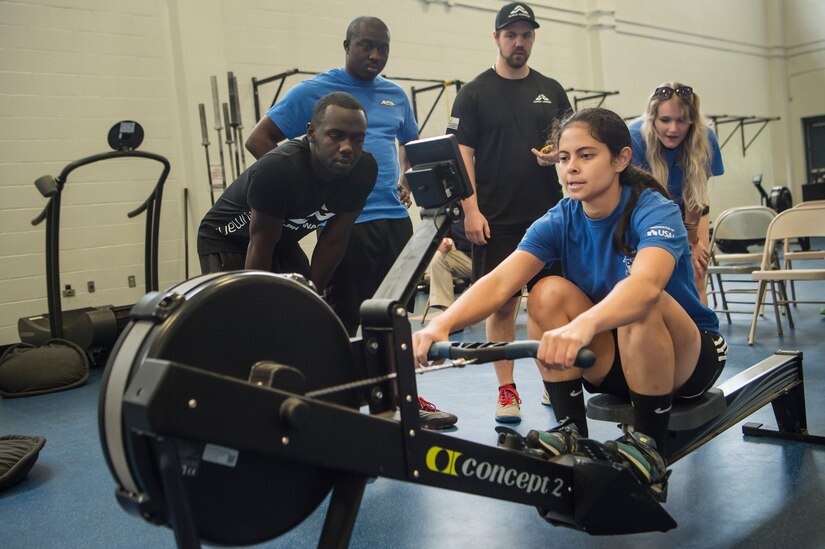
664, 93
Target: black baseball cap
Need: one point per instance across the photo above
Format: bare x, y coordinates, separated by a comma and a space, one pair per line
515, 11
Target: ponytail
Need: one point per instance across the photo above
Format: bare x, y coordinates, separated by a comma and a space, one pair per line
638, 180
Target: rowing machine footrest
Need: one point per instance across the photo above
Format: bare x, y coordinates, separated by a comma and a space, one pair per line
685, 415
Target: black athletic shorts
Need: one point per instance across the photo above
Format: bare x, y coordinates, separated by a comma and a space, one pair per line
504, 239
288, 258
222, 262
372, 250
712, 358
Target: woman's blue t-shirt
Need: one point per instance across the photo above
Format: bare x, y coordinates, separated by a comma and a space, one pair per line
591, 261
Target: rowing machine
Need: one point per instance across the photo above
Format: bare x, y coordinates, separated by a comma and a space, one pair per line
221, 418
210, 448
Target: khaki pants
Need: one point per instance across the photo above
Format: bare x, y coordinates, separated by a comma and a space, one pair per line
442, 269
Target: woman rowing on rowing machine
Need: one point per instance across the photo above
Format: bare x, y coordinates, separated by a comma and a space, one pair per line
627, 291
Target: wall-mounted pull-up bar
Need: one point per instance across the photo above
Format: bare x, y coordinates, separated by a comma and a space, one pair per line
281, 79
258, 82
589, 95
741, 122
442, 88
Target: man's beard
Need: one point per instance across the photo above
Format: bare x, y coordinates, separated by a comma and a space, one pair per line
516, 64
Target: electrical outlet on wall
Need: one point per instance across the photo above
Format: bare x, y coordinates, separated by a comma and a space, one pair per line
132, 282
90, 285
68, 291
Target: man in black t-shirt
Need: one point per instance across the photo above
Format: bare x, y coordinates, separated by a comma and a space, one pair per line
502, 120
323, 178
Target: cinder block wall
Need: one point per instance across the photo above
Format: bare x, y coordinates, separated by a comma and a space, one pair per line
73, 68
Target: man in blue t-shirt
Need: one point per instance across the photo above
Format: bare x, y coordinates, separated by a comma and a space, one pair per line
384, 226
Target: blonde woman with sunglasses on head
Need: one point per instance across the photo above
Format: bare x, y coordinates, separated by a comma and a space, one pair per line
673, 142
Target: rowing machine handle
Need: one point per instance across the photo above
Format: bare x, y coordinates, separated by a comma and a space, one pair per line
492, 351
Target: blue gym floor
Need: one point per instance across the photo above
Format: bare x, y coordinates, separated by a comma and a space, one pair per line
732, 492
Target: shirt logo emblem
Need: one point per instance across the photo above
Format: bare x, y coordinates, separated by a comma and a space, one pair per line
661, 230
311, 221
387, 103
628, 263
453, 123
541, 98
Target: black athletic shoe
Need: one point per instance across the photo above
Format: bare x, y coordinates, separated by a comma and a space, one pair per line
431, 417
555, 442
639, 450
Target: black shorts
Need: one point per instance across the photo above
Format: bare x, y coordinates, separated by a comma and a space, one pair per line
373, 248
504, 239
222, 262
287, 258
712, 359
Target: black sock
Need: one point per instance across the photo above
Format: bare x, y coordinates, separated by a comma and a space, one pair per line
513, 385
567, 399
651, 415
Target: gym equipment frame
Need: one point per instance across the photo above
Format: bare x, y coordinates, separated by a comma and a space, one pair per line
92, 327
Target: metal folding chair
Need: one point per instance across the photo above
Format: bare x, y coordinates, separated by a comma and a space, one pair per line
791, 224
804, 252
744, 226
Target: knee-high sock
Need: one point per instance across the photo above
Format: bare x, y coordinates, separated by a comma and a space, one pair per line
652, 414
567, 399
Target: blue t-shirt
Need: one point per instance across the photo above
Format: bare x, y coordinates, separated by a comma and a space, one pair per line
675, 176
591, 261
389, 117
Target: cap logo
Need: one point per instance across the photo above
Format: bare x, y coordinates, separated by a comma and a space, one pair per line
518, 11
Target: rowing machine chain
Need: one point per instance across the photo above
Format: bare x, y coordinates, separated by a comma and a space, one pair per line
457, 363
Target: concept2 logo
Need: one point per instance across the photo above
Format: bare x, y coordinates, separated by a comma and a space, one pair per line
450, 462
435, 460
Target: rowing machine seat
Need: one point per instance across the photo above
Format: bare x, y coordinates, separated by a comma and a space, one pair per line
685, 415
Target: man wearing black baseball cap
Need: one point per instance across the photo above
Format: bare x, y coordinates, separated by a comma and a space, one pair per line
502, 120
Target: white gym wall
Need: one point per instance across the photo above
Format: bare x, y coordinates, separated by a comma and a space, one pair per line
72, 68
